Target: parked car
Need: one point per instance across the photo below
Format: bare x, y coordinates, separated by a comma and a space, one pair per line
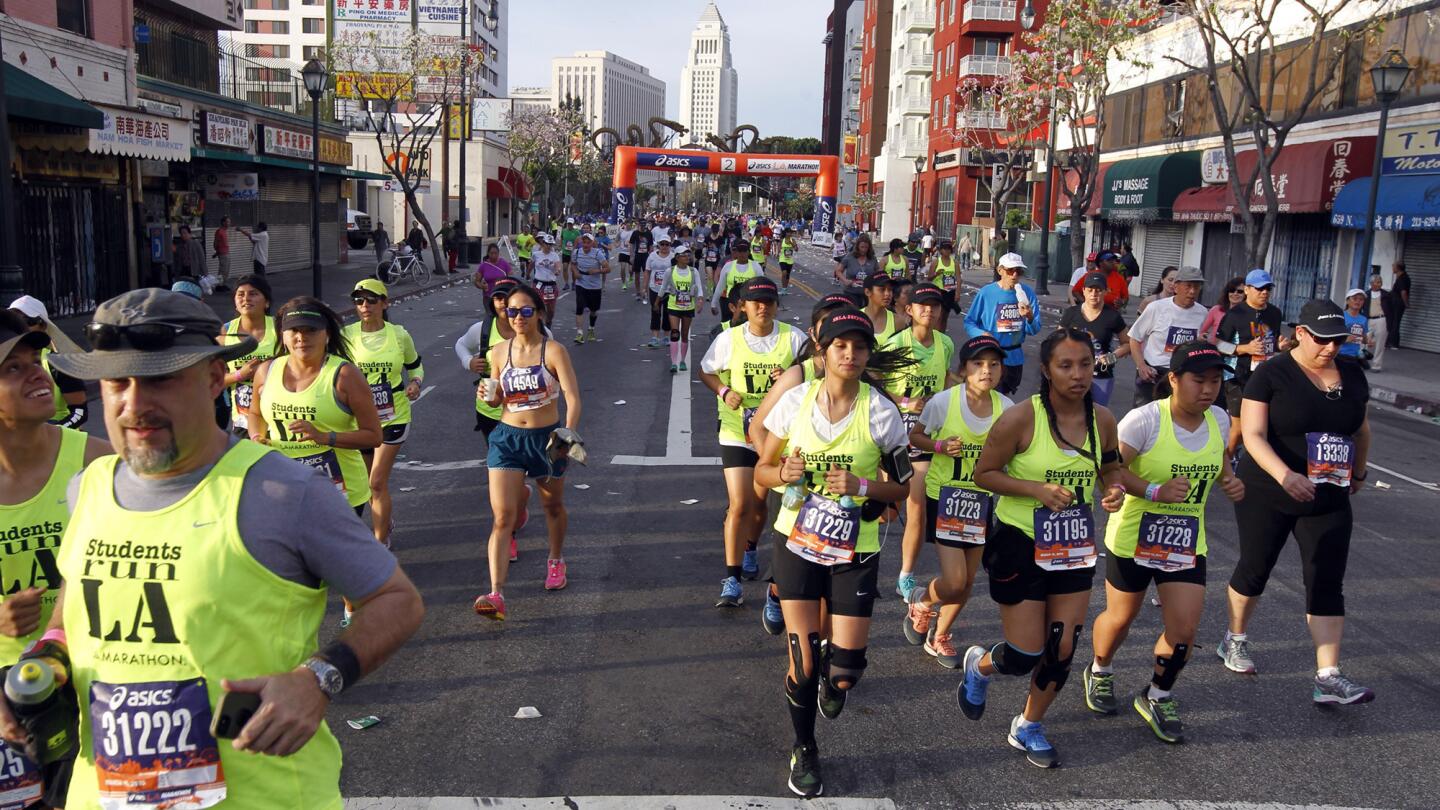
357, 228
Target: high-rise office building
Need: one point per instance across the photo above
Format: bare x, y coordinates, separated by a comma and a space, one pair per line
708, 83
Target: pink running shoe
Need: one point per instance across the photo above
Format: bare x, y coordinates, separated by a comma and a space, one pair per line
555, 576
514, 549
491, 606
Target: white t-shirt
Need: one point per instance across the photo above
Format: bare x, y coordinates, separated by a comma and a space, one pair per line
1140, 428
657, 269
937, 410
547, 265
625, 234
1080, 273
927, 241
886, 428
1163, 326
260, 247
717, 357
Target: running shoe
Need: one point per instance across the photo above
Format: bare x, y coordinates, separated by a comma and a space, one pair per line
1162, 715
917, 621
514, 549
805, 772
590, 335
346, 617
772, 618
1030, 738
830, 700
625, 284
1100, 692
1339, 689
730, 593
579, 337
554, 575
682, 366
750, 565
940, 646
903, 585
974, 687
491, 606
1235, 652
674, 368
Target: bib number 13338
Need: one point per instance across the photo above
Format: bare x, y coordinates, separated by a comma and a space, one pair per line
1329, 458
1065, 539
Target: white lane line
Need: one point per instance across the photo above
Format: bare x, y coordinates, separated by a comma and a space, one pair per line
616, 803
427, 389
1155, 804
677, 439
1403, 477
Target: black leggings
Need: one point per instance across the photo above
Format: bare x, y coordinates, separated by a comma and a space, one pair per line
1324, 542
657, 313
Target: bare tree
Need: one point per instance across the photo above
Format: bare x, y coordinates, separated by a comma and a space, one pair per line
1268, 63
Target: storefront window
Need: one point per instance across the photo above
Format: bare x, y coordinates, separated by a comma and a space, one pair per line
945, 208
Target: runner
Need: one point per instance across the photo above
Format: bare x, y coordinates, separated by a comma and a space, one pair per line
1106, 326
252, 310
264, 540
627, 230
312, 404
682, 292
1307, 441
931, 353
788, 248
1250, 334
760, 247
589, 268
1165, 324
896, 266
657, 271
943, 273
915, 256
528, 374
569, 241
1045, 462
1006, 311
740, 366
547, 275
954, 425
1174, 456
639, 254
524, 245
70, 397
736, 271
838, 417
712, 259
1356, 322
385, 354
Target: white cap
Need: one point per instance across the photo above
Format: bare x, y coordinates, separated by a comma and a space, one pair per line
1354, 291
1012, 260
32, 307
682, 249
547, 238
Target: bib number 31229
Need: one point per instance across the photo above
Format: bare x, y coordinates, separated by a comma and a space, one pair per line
152, 746
1065, 539
825, 532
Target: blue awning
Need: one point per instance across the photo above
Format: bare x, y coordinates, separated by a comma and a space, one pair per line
1406, 202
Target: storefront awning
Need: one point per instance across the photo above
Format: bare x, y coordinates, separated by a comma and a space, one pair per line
1144, 189
1406, 202
31, 98
228, 156
515, 181
1307, 176
134, 134
1203, 204
1098, 194
496, 190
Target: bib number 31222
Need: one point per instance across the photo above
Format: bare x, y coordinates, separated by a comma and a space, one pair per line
825, 532
152, 746
1065, 539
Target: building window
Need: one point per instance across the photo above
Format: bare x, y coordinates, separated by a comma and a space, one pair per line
73, 16
267, 27
314, 52
264, 74
313, 25
268, 5
259, 51
945, 209
266, 98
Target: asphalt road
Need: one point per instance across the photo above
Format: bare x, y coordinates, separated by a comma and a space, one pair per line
646, 689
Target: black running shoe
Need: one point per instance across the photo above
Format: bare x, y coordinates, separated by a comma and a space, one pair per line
831, 700
805, 771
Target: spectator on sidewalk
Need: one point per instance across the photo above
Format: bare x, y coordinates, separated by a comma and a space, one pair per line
416, 238
966, 251
1399, 301
1381, 313
259, 246
1129, 265
447, 244
1356, 323
1167, 323
381, 238
1009, 312
189, 256
221, 246
1077, 279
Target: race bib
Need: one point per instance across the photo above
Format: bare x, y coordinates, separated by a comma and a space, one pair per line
825, 532
1007, 318
547, 291
948, 282
747, 415
910, 420
1329, 458
328, 464
1065, 539
21, 784
152, 746
684, 299
384, 400
244, 393
1179, 336
524, 387
1267, 348
964, 515
1167, 542
711, 256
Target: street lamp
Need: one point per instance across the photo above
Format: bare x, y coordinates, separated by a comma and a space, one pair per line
1042, 262
1388, 77
315, 78
1027, 16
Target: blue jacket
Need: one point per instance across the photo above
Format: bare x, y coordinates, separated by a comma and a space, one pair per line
984, 318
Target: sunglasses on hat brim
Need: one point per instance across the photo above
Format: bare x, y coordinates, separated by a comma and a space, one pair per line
145, 337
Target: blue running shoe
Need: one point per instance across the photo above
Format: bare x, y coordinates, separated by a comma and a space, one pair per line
975, 686
730, 593
772, 618
904, 585
1030, 738
750, 566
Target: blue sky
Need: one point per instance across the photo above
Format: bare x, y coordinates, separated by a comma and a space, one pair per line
774, 44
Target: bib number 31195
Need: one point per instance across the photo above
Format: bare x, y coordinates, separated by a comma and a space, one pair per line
1065, 539
1329, 458
825, 532
152, 746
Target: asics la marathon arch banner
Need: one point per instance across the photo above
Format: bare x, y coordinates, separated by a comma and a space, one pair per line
825, 168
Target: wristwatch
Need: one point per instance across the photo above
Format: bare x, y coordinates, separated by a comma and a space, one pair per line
331, 682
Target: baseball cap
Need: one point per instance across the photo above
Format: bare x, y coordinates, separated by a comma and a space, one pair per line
1355, 291
503, 286
759, 289
828, 303
1323, 319
927, 294
14, 333
844, 321
303, 319
683, 249
1258, 278
1106, 255
1096, 281
877, 279
663, 240
1012, 260
977, 345
946, 244
740, 244
374, 286
149, 332
587, 235
1195, 356
188, 287
547, 238
1092, 257
31, 307
1189, 273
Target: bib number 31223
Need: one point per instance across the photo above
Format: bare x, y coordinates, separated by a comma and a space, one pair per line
1329, 458
964, 515
825, 532
152, 746
1065, 539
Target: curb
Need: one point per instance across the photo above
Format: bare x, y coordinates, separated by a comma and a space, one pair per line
1420, 406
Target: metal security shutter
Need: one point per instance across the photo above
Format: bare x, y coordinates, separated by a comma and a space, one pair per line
1164, 245
1222, 259
1300, 261
1420, 328
285, 207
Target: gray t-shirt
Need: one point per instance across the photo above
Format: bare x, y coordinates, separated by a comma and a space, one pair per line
857, 270
292, 520
588, 263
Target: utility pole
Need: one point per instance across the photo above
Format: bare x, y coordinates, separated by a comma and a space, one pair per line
12, 278
467, 35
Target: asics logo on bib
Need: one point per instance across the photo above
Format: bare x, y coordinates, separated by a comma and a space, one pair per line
124, 696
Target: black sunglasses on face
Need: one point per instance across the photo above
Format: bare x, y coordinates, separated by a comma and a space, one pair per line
364, 299
146, 337
520, 312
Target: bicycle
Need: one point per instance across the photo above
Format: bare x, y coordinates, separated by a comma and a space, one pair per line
396, 267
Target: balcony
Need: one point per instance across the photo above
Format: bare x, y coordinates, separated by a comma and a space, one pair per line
974, 65
996, 10
857, 43
914, 146
915, 104
980, 119
855, 103
855, 72
920, 18
919, 62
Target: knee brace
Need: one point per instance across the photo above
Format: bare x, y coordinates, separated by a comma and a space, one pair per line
1170, 667
803, 692
1053, 668
843, 667
674, 335
1011, 660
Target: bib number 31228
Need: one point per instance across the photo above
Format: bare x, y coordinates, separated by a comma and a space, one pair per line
152, 746
825, 532
1065, 539
1167, 542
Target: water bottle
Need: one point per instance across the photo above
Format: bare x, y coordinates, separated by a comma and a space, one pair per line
794, 496
847, 502
31, 689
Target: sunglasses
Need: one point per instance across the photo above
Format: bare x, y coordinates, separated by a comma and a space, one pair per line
357, 300
145, 337
520, 312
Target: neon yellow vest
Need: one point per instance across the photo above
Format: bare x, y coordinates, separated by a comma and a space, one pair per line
380, 356
62, 411
316, 404
1044, 461
807, 367
897, 268
739, 274
682, 284
787, 251
945, 273
757, 251
30, 535
942, 470
268, 348
854, 450
748, 374
883, 335
481, 406
917, 383
1169, 459
173, 596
